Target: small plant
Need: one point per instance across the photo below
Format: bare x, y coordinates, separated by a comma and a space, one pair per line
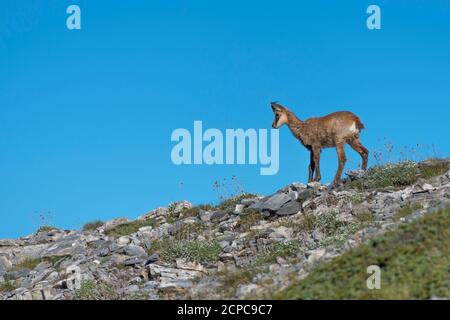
27, 263
56, 261
365, 218
336, 231
87, 291
91, 226
44, 221
130, 227
188, 231
90, 290
233, 201
7, 286
342, 234
45, 229
407, 210
248, 218
328, 223
434, 169
394, 174
227, 189
138, 296
187, 212
232, 279
280, 249
357, 198
193, 250
305, 223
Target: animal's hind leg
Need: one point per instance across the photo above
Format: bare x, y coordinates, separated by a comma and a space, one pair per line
340, 148
311, 167
363, 152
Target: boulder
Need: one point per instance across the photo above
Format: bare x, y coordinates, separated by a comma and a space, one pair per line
272, 203
5, 265
292, 207
114, 223
134, 251
281, 232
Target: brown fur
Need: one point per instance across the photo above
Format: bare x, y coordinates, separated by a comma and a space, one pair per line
333, 130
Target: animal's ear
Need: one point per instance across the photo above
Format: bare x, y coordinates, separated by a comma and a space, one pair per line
276, 107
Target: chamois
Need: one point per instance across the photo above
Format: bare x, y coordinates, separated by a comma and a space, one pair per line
333, 130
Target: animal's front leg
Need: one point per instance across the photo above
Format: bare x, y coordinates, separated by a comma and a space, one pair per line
316, 155
311, 167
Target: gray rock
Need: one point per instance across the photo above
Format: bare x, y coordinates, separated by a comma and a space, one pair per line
178, 207
124, 240
205, 216
315, 255
107, 247
239, 208
305, 195
114, 223
218, 216
158, 212
9, 243
69, 246
133, 261
5, 265
150, 285
248, 201
134, 251
289, 208
152, 259
314, 185
272, 203
132, 289
247, 290
281, 232
14, 275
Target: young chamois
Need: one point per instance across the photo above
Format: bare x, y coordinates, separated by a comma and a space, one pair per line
333, 130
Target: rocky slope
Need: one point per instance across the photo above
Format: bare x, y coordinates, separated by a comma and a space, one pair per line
246, 247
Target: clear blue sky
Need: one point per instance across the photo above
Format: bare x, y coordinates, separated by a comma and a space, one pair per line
86, 116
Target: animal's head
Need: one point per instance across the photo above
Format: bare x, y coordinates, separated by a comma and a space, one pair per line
280, 113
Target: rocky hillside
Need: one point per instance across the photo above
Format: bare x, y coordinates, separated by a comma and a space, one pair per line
303, 241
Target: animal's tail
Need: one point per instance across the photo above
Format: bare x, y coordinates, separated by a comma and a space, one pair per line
359, 124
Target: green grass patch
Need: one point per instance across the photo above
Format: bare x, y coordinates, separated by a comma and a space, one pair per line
187, 212
357, 198
87, 291
233, 201
91, 226
130, 227
189, 231
394, 174
200, 251
413, 260
27, 263
407, 210
90, 290
45, 229
306, 223
365, 218
248, 218
7, 286
432, 170
232, 279
280, 249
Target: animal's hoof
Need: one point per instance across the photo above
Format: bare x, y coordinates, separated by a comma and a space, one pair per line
335, 186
